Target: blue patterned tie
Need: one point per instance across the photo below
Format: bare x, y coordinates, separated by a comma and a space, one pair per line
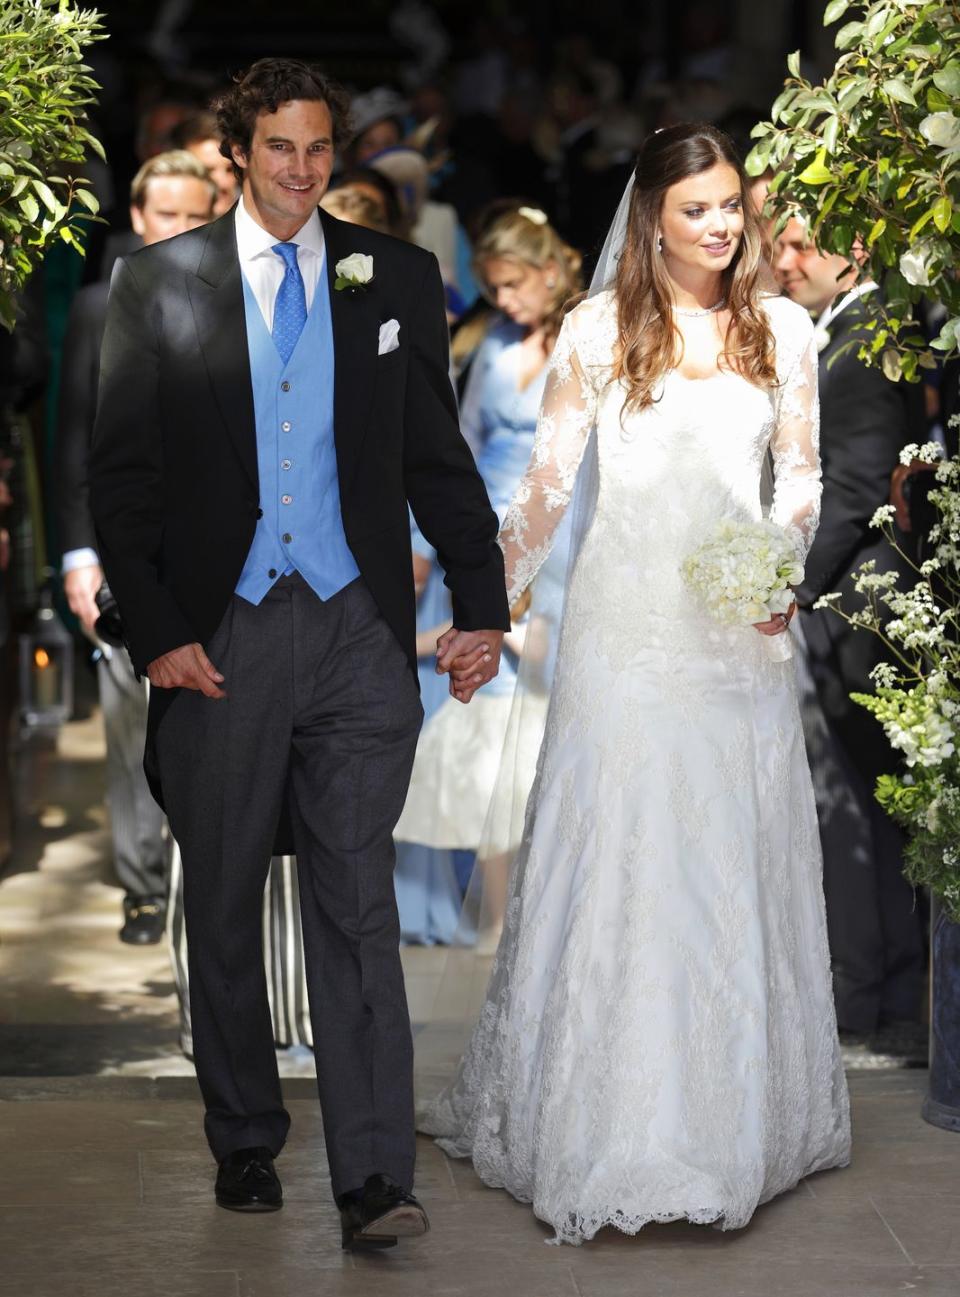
290, 308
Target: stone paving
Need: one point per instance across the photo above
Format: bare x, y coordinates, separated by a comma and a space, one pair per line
106, 1184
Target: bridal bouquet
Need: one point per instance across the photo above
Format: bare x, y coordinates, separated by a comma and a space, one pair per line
743, 573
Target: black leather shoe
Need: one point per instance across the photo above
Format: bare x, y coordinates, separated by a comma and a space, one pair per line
247, 1181
379, 1214
144, 919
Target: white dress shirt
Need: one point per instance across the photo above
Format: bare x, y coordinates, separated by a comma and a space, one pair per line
264, 269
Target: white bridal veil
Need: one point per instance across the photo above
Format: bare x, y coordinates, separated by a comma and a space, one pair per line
460, 996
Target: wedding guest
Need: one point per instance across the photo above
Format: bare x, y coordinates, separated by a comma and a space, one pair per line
875, 929
356, 207
380, 190
172, 192
200, 136
431, 225
378, 118
528, 273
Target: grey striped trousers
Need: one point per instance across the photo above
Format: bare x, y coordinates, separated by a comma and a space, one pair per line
282, 953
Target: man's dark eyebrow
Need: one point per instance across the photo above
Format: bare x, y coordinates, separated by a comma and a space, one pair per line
282, 139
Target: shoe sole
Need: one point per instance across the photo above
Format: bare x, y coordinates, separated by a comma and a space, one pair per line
385, 1231
249, 1206
402, 1222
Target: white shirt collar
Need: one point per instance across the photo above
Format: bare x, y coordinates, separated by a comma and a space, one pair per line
841, 303
254, 241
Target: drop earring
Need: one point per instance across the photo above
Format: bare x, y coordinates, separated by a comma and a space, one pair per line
660, 243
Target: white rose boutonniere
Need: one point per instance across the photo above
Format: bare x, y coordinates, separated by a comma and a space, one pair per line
354, 272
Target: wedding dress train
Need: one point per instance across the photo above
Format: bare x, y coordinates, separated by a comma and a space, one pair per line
658, 1039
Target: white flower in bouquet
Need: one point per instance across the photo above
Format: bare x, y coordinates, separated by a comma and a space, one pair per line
743, 572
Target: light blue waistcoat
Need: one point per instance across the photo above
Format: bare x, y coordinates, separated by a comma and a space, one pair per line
301, 529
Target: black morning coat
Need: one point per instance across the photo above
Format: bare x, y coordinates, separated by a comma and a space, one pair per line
865, 421
173, 466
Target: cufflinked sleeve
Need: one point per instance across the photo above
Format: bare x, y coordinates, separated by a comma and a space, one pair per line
126, 473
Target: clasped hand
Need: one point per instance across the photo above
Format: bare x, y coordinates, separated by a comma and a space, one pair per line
470, 657
187, 667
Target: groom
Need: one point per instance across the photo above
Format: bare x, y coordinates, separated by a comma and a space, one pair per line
261, 429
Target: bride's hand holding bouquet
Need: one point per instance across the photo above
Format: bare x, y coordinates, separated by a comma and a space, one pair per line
745, 573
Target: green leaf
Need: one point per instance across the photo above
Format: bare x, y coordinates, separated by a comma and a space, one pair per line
834, 10
851, 95
782, 100
892, 365
899, 90
830, 132
937, 101
841, 238
948, 80
876, 22
30, 207
816, 173
918, 225
758, 159
942, 212
793, 63
848, 34
46, 194
827, 207
88, 199
876, 230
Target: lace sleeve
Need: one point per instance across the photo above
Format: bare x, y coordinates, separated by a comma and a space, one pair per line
566, 416
796, 445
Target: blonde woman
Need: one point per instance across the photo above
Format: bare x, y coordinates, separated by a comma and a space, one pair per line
528, 273
658, 1040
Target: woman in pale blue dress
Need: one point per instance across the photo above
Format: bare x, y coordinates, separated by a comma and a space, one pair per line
529, 273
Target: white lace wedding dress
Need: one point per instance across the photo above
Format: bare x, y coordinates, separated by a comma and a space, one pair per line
658, 1039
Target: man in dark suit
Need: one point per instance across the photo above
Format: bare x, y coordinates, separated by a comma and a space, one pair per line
274, 390
171, 193
876, 939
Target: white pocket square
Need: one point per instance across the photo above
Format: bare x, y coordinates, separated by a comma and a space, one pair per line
389, 337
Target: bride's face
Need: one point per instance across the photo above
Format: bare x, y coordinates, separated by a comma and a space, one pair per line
701, 220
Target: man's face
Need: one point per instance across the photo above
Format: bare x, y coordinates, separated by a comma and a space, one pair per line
172, 204
287, 170
221, 172
804, 273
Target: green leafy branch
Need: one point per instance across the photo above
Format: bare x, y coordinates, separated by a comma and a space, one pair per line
45, 89
870, 159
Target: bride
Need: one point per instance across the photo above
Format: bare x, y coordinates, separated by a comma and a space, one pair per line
658, 1040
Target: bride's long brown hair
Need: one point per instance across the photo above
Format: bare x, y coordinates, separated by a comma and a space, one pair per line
649, 342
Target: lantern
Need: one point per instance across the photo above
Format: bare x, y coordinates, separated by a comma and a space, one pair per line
46, 669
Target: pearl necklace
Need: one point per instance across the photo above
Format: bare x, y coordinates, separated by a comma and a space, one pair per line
692, 315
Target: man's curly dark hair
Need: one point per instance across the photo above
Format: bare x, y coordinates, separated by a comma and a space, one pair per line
266, 85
